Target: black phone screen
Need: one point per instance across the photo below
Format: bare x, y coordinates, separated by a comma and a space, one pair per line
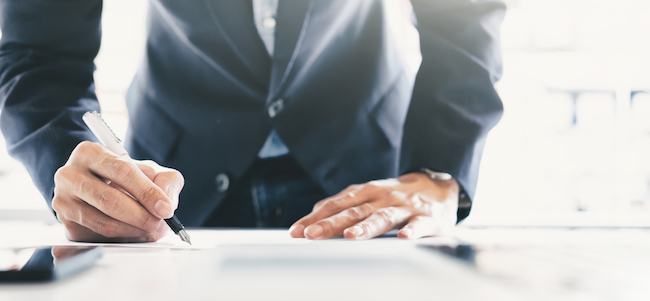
43, 264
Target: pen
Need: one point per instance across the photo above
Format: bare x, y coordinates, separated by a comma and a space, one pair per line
107, 137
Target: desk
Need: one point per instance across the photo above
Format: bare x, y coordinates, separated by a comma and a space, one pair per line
507, 264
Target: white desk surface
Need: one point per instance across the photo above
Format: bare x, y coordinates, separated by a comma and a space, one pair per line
509, 264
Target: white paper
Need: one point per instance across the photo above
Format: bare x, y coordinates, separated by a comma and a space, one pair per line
37, 234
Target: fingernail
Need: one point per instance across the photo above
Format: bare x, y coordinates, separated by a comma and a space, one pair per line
408, 233
163, 209
297, 230
356, 231
313, 231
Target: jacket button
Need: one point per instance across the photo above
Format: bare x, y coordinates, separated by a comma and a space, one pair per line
276, 107
269, 22
223, 182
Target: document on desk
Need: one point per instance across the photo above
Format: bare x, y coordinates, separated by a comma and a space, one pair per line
38, 234
210, 239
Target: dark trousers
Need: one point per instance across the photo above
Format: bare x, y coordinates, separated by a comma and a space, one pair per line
275, 193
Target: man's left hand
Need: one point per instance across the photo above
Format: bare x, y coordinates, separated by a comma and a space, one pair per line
413, 203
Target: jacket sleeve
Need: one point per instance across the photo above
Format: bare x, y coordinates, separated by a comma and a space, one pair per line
46, 81
454, 103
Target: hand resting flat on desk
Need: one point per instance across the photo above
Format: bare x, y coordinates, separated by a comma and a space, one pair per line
413, 203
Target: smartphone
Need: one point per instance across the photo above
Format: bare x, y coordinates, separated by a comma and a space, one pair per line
45, 264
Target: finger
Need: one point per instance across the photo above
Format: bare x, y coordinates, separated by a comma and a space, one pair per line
334, 225
124, 172
76, 232
349, 197
422, 226
349, 191
90, 218
418, 226
171, 181
381, 221
115, 204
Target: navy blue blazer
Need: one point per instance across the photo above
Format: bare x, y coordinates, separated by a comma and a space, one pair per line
200, 102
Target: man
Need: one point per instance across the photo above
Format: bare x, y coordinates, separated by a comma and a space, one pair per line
262, 111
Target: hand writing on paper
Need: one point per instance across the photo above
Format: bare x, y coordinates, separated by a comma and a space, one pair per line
92, 196
413, 203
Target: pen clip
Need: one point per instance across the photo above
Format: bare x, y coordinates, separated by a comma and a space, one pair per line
99, 116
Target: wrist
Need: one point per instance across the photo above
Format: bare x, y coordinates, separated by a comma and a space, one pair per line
436, 176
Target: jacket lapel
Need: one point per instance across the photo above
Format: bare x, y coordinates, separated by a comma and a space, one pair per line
234, 20
292, 19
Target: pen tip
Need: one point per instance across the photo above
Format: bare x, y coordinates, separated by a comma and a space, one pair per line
184, 236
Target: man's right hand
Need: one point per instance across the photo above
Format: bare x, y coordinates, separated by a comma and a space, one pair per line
92, 196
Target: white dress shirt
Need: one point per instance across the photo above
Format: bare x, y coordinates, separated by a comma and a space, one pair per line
264, 13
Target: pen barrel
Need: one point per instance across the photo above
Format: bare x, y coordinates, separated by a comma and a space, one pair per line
105, 135
174, 224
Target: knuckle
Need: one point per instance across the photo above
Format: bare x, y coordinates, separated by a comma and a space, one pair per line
353, 187
397, 197
360, 212
178, 176
59, 175
419, 219
83, 185
149, 163
397, 194
386, 215
375, 187
328, 226
317, 205
145, 167
84, 147
367, 208
368, 186
63, 174
175, 177
153, 165
355, 213
122, 169
148, 223
149, 194
328, 204
333, 204
368, 228
100, 227
106, 228
107, 200
57, 203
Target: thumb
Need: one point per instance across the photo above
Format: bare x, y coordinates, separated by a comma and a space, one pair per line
171, 181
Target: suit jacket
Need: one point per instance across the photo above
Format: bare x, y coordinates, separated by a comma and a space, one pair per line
201, 100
